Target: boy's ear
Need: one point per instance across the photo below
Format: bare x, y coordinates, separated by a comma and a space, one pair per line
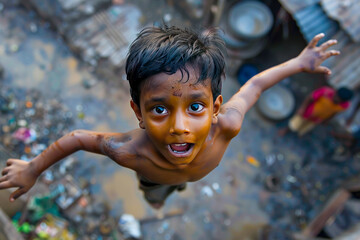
217, 104
137, 112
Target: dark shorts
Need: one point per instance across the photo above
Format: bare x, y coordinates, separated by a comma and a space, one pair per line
157, 193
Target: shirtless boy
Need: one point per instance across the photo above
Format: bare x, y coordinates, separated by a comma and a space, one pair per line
184, 129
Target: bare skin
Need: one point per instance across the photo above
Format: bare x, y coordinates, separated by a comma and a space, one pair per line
183, 132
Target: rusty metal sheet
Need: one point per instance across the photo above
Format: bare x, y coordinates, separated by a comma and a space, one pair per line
347, 13
346, 71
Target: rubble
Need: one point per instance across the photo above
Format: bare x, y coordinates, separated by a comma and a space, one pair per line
104, 38
339, 218
98, 31
54, 228
300, 195
29, 122
69, 211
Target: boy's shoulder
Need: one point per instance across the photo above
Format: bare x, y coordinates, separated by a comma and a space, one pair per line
124, 148
229, 122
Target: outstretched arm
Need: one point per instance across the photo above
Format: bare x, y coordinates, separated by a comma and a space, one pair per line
309, 60
23, 175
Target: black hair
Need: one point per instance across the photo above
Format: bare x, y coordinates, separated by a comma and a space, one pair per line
169, 49
345, 94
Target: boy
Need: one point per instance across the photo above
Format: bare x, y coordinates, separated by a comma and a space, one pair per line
175, 79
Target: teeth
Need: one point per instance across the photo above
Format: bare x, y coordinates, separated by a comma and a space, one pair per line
180, 144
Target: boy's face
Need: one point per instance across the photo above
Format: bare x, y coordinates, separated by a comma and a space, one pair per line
177, 115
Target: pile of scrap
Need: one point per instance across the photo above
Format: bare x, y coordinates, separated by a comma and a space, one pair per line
67, 211
98, 31
340, 217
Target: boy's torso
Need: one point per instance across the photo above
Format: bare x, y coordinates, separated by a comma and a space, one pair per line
140, 155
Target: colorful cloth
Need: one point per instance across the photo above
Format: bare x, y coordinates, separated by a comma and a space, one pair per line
323, 105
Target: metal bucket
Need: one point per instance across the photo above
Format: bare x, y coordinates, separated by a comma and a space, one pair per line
246, 25
250, 20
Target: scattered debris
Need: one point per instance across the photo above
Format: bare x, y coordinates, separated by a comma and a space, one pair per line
54, 228
207, 191
129, 226
29, 122
253, 161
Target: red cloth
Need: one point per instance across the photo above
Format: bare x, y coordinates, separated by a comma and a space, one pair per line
323, 106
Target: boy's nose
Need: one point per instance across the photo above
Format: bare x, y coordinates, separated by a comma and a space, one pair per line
179, 125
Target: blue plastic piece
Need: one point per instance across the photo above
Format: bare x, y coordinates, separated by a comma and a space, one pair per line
246, 71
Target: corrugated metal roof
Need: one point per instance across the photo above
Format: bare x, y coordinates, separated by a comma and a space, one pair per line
345, 68
292, 6
347, 13
343, 40
313, 18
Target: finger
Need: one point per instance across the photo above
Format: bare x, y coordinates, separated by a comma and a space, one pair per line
322, 69
17, 194
328, 44
5, 184
331, 53
5, 171
3, 178
9, 162
316, 39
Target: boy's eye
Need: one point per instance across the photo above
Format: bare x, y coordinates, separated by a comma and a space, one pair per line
160, 110
196, 107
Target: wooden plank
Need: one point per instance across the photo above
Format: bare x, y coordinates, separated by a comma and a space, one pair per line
332, 207
7, 228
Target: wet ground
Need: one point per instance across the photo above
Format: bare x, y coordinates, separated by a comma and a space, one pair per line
231, 202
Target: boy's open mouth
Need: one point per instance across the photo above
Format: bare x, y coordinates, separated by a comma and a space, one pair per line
180, 149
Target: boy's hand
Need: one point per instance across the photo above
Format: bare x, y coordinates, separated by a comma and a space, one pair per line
17, 173
312, 56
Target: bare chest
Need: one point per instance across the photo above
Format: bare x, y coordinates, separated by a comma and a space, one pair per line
205, 162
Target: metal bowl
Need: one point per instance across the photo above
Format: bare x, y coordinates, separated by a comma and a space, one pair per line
250, 19
276, 103
240, 48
